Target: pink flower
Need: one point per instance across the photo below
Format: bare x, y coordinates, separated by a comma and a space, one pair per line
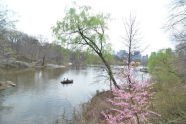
131, 102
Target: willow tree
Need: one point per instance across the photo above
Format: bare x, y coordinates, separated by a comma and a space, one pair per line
83, 29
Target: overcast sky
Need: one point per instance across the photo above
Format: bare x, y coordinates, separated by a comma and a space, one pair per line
36, 17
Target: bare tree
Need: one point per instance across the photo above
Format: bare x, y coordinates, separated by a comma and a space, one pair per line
131, 37
177, 20
131, 42
5, 21
177, 26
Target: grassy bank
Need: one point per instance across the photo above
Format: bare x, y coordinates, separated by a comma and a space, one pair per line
170, 86
91, 111
171, 104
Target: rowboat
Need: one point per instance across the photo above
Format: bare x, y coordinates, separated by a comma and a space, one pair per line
67, 81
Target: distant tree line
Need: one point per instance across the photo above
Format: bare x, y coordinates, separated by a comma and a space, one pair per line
22, 47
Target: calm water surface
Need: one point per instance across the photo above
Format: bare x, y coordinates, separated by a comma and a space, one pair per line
40, 98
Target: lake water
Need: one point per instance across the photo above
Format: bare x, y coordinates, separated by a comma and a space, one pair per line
40, 98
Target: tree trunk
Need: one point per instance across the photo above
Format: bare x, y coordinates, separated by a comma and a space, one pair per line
109, 71
43, 63
129, 56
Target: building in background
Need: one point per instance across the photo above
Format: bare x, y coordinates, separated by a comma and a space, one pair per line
122, 54
136, 56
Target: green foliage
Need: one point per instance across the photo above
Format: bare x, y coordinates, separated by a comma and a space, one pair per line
81, 28
170, 99
92, 58
163, 58
162, 66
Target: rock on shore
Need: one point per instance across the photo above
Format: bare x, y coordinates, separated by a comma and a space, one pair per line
6, 84
12, 63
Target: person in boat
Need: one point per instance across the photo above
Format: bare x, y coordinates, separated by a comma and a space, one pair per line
66, 80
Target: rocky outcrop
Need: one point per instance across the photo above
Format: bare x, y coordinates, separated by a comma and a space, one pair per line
6, 84
54, 66
12, 63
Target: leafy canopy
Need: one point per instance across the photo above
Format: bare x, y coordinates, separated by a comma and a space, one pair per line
81, 28
162, 67
163, 60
